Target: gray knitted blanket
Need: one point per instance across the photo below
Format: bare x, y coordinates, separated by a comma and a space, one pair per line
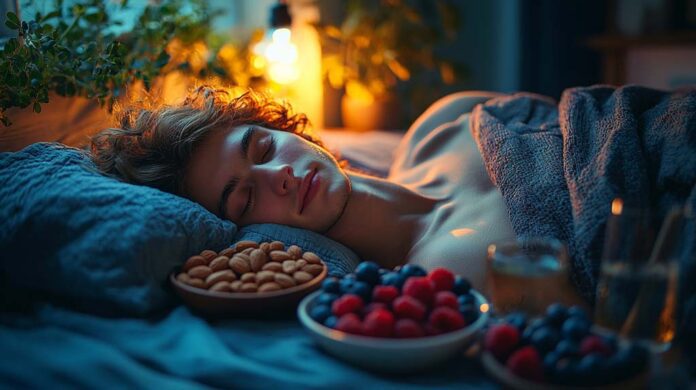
559, 167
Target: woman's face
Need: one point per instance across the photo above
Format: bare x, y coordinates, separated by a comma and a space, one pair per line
250, 174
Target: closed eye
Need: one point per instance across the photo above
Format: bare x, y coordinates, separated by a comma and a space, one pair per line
269, 151
249, 203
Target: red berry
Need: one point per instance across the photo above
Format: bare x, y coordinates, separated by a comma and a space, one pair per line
526, 363
446, 319
385, 294
379, 323
372, 306
408, 328
592, 344
442, 279
447, 299
501, 339
431, 330
409, 307
350, 323
419, 287
348, 303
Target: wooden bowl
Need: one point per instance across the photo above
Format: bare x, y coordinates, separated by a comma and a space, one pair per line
270, 304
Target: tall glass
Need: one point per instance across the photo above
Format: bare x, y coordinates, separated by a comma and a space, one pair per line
526, 274
637, 289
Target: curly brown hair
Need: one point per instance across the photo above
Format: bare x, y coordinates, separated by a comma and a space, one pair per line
153, 145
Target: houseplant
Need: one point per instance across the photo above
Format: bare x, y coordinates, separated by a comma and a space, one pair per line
382, 50
73, 51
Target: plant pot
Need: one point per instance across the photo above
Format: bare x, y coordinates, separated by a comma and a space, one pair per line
363, 115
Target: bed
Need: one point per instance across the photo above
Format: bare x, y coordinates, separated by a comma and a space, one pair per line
85, 259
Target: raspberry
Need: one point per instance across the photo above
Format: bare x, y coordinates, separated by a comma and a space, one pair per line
526, 363
408, 328
350, 323
431, 330
446, 299
409, 307
419, 287
372, 306
442, 279
592, 344
446, 319
385, 294
348, 303
379, 323
501, 339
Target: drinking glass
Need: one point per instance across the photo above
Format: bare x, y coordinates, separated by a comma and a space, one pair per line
637, 289
526, 274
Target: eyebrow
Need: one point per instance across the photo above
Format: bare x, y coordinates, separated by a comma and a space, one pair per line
231, 184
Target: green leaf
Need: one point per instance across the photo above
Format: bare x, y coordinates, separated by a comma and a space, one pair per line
37, 107
12, 17
12, 25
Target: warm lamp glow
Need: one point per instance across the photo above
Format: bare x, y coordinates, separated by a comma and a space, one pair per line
280, 57
462, 232
484, 308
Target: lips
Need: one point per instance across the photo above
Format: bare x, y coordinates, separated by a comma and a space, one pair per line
307, 190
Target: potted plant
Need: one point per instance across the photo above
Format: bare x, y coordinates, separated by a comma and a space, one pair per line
74, 52
380, 50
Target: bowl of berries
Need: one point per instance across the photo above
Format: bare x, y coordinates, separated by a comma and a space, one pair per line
397, 320
560, 349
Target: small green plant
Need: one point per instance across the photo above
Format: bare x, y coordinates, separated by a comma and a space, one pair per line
71, 51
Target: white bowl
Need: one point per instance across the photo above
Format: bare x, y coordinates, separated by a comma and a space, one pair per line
386, 354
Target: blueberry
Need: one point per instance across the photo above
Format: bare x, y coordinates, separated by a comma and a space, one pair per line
331, 321
550, 362
346, 285
575, 328
556, 314
368, 272
544, 339
331, 285
470, 312
326, 298
383, 271
566, 348
466, 299
409, 270
320, 313
392, 279
517, 319
577, 312
610, 341
361, 289
531, 328
566, 372
461, 285
351, 276
592, 369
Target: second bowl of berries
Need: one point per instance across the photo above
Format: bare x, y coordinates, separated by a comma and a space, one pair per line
394, 320
560, 348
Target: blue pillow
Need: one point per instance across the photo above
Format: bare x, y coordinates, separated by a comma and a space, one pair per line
70, 232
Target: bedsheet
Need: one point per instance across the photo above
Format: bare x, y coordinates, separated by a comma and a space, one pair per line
55, 347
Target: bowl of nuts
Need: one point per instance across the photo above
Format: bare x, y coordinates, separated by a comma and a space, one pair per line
399, 320
248, 279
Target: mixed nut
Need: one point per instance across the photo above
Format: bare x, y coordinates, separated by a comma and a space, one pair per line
251, 267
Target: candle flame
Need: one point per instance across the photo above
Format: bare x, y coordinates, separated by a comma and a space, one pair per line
484, 308
616, 206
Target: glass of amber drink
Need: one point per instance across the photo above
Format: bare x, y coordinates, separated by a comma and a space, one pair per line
526, 274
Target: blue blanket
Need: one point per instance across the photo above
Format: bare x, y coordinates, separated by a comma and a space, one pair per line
559, 168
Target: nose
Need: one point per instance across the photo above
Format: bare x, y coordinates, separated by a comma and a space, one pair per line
282, 179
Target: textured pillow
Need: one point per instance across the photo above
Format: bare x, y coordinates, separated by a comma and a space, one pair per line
68, 231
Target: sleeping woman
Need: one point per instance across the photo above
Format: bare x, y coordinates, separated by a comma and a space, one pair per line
251, 160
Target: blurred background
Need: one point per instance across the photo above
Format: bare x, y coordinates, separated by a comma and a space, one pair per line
378, 64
